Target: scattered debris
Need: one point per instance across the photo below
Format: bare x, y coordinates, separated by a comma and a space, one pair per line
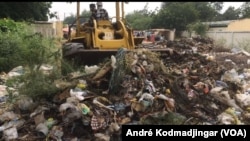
194, 82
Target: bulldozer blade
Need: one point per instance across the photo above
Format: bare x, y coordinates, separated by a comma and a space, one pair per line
76, 53
90, 57
79, 55
138, 40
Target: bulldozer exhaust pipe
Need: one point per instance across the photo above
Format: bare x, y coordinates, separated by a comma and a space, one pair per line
77, 18
117, 11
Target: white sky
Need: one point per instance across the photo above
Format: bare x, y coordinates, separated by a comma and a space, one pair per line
65, 9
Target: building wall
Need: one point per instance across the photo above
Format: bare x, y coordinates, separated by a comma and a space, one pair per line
239, 25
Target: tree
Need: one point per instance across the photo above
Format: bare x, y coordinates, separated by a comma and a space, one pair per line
199, 28
217, 6
140, 19
84, 17
26, 11
206, 11
180, 14
231, 14
69, 19
245, 10
175, 15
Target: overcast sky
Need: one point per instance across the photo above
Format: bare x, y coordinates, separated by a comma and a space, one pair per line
65, 9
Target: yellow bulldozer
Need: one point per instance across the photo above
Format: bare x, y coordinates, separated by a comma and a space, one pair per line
104, 37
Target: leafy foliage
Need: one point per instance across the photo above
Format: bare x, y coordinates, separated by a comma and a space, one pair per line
26, 11
19, 46
84, 16
231, 14
8, 25
205, 11
140, 19
245, 10
35, 50
217, 6
198, 28
180, 14
37, 85
168, 17
10, 43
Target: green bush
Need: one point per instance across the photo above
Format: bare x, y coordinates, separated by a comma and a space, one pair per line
199, 28
8, 25
37, 85
10, 44
20, 46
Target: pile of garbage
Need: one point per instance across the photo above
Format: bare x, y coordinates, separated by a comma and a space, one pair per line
189, 84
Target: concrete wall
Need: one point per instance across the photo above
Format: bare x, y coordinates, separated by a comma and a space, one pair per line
239, 39
236, 34
217, 29
59, 27
172, 35
49, 29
